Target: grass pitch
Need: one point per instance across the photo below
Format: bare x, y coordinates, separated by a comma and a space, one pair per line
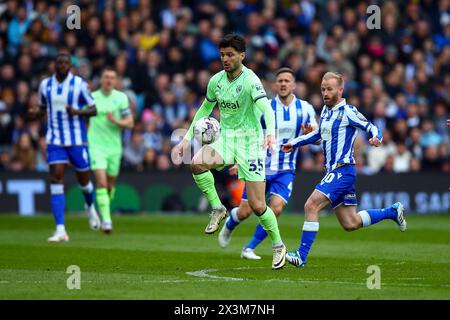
169, 257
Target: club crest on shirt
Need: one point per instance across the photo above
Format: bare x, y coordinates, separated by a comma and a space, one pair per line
258, 87
238, 89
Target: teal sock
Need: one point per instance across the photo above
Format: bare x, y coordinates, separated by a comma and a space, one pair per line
268, 221
205, 182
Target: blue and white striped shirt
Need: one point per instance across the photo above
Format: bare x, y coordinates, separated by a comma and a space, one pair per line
288, 122
338, 130
63, 129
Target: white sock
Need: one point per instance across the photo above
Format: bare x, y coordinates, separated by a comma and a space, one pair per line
233, 215
87, 188
365, 218
60, 228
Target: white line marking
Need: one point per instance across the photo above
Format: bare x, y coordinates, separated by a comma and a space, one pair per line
204, 273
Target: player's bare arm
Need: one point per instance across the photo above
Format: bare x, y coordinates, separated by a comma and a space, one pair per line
126, 122
87, 112
204, 110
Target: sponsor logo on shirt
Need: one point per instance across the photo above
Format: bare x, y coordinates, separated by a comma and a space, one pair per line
227, 105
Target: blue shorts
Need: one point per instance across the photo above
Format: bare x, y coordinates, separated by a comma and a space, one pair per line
279, 184
78, 156
339, 186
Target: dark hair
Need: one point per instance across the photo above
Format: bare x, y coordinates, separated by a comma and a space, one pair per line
63, 54
108, 68
283, 70
234, 41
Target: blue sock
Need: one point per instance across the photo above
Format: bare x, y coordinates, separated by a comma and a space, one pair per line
310, 229
58, 202
88, 193
233, 220
372, 216
259, 235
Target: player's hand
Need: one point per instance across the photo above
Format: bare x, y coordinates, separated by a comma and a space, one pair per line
307, 128
287, 147
178, 150
375, 142
270, 142
233, 171
71, 111
110, 117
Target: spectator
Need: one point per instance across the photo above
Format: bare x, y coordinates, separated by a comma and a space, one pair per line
152, 137
388, 166
163, 162
361, 166
172, 112
23, 157
415, 165
413, 143
429, 136
150, 159
402, 158
431, 160
17, 28
134, 152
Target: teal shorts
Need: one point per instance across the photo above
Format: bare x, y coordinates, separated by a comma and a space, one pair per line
103, 160
246, 150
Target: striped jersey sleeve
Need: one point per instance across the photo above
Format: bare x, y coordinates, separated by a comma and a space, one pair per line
85, 95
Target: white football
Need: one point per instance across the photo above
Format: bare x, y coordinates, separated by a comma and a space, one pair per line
207, 130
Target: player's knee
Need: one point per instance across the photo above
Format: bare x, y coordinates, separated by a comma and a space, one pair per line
258, 207
310, 206
101, 184
197, 168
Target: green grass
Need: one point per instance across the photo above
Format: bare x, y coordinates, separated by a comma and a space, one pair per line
150, 257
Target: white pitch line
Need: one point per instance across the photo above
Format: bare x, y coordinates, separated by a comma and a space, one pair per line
204, 273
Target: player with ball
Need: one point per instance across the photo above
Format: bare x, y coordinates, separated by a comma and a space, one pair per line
241, 99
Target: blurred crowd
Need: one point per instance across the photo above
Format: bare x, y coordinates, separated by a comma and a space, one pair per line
165, 53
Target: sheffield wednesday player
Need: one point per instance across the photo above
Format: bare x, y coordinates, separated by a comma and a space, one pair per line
292, 115
63, 97
241, 99
338, 129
